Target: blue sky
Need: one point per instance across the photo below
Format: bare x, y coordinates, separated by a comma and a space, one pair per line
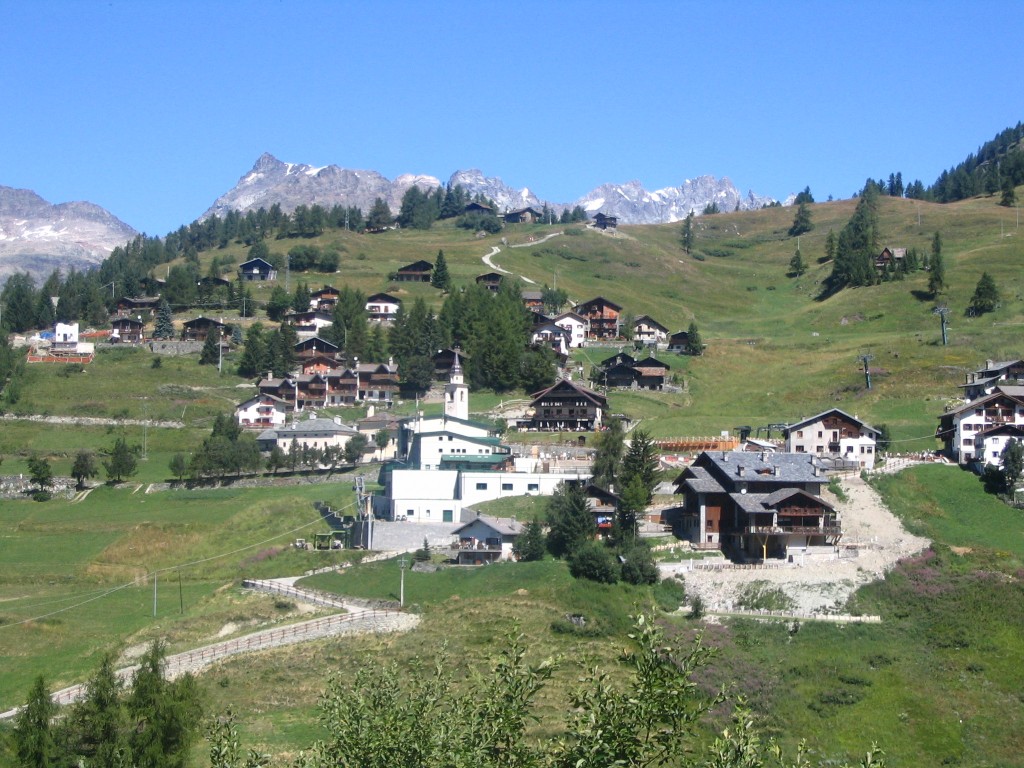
153, 109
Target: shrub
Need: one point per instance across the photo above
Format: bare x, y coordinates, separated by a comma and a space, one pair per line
669, 594
638, 566
42, 496
595, 562
697, 608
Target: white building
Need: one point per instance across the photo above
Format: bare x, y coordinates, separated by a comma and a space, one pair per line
486, 539
576, 325
307, 433
975, 431
456, 393
262, 411
833, 433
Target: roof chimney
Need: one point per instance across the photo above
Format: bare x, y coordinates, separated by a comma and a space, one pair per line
740, 469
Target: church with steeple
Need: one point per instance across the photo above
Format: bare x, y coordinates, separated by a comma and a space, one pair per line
456, 393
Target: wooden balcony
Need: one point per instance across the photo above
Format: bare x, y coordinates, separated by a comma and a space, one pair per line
778, 530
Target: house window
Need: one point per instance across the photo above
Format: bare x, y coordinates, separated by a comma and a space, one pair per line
481, 486
799, 433
506, 486
533, 486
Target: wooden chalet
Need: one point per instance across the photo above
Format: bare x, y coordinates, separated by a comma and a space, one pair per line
550, 335
757, 506
475, 207
602, 315
315, 347
679, 343
604, 504
605, 222
962, 429
619, 358
128, 330
210, 283
200, 327
382, 308
650, 373
523, 216
317, 364
311, 321
257, 270
324, 299
490, 280
648, 330
137, 305
417, 272
533, 300
889, 257
566, 406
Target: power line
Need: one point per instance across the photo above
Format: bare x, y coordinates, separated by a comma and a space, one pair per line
169, 568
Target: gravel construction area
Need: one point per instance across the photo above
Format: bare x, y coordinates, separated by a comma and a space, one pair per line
873, 540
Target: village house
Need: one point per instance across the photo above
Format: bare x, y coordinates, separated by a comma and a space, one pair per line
489, 280
137, 305
679, 343
200, 327
568, 407
417, 272
578, 328
523, 216
602, 317
362, 382
382, 308
485, 539
317, 433
757, 506
833, 433
261, 412
317, 363
889, 258
602, 221
649, 331
622, 370
257, 270
971, 433
376, 422
475, 207
549, 334
324, 299
310, 322
994, 373
315, 347
533, 300
127, 330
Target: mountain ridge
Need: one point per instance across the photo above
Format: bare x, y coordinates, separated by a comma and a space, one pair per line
273, 181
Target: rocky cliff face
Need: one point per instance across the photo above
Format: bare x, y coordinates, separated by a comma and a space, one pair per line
38, 237
272, 181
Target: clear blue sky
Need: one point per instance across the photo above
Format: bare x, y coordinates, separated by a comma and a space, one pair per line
153, 109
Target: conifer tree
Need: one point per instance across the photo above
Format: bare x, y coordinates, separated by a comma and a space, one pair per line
641, 463
439, 277
210, 353
571, 523
694, 342
986, 295
802, 221
122, 463
797, 266
164, 328
33, 737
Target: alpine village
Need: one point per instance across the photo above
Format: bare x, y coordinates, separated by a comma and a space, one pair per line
448, 482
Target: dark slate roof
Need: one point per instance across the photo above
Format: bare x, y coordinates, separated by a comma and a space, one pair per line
699, 480
793, 467
507, 526
823, 414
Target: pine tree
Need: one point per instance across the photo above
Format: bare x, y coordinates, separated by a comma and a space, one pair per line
694, 343
1012, 464
122, 463
688, 233
254, 353
32, 736
164, 328
531, 544
440, 278
641, 463
210, 353
1009, 196
610, 446
802, 221
797, 266
986, 295
571, 523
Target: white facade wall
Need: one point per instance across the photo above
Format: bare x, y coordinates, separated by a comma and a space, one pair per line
860, 449
425, 496
577, 330
476, 487
264, 413
434, 447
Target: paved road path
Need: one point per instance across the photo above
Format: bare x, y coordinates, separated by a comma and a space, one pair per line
357, 620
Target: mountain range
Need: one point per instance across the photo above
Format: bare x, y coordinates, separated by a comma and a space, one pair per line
38, 237
290, 185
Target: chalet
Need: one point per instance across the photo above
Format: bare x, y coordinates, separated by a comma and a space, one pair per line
137, 305
833, 433
650, 373
315, 347
200, 327
523, 216
604, 504
475, 207
443, 360
376, 382
889, 258
128, 330
617, 375
619, 358
490, 280
533, 300
313, 432
262, 412
317, 363
984, 380
551, 335
602, 316
757, 506
566, 406
417, 272
965, 430
257, 270
679, 343
310, 322
373, 424
324, 299
209, 283
605, 222
577, 327
382, 308
648, 330
485, 539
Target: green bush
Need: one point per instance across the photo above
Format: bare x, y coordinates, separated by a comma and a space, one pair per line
595, 562
669, 594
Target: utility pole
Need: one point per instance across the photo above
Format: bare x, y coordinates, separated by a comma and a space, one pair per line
865, 359
942, 312
401, 587
154, 594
